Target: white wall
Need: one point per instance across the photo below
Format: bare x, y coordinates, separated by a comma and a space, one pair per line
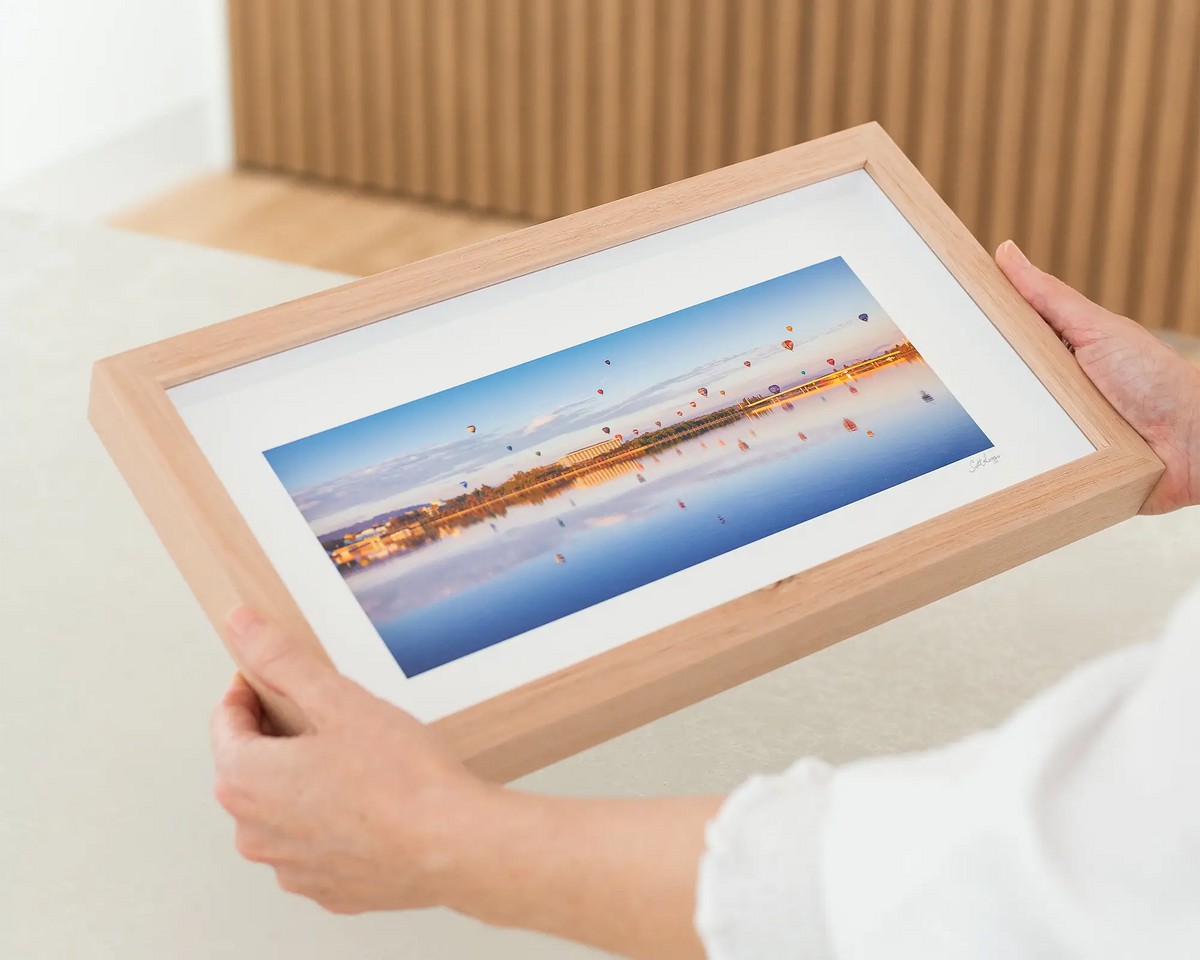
78, 76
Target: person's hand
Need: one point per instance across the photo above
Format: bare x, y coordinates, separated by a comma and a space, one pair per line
1149, 384
364, 811
367, 810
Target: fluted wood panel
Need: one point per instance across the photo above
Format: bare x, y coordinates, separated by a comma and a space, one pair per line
1072, 126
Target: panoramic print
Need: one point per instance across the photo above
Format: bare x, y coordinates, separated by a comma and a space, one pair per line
473, 515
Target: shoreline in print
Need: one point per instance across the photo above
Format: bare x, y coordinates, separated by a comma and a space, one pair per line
473, 515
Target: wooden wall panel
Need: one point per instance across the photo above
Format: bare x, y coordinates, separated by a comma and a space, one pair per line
1072, 126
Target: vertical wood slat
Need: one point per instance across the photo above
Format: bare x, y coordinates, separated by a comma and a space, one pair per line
1074, 239
506, 151
610, 50
676, 88
1169, 170
639, 98
475, 110
447, 100
1070, 125
287, 24
379, 88
1114, 257
318, 44
1048, 130
577, 118
543, 91
934, 94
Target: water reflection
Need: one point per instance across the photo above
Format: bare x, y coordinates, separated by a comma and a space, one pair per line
514, 565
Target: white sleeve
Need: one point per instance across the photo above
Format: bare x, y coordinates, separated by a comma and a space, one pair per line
1073, 830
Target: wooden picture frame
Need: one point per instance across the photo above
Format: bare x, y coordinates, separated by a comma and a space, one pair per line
598, 698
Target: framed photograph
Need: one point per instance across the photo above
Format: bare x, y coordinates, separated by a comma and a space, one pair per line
547, 488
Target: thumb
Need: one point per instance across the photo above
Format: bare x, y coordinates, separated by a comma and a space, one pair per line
282, 663
1071, 315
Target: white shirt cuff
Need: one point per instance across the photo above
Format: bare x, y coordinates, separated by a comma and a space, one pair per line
758, 893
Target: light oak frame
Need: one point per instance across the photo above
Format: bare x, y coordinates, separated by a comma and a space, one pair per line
551, 718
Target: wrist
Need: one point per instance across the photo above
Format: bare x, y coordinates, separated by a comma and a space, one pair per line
457, 856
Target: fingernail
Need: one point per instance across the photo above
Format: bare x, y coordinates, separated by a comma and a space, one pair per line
244, 622
1018, 251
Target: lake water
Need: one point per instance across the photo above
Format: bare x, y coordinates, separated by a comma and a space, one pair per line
492, 581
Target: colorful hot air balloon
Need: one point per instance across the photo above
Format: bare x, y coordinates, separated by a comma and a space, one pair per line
601, 392
471, 428
703, 391
788, 345
722, 393
510, 449
682, 505
537, 453
863, 317
635, 433
849, 424
463, 484
658, 423
745, 363
803, 372
693, 403
619, 437
789, 329
832, 363
774, 388
802, 436
679, 413
608, 362
604, 429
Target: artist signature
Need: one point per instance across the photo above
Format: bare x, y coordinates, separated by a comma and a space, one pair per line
978, 462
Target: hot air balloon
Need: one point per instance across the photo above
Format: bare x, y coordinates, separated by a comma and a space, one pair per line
743, 445
679, 413
619, 437
721, 442
832, 363
774, 388
853, 389
788, 345
693, 403
789, 329
640, 478
720, 518
926, 397
471, 428
849, 424
463, 484
560, 523
607, 362
803, 373
722, 393
802, 436
658, 423
862, 317
559, 558
635, 433
604, 430
703, 391
537, 453
682, 506
870, 433
510, 449
601, 392
745, 363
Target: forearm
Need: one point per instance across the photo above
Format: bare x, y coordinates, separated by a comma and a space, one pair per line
617, 874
